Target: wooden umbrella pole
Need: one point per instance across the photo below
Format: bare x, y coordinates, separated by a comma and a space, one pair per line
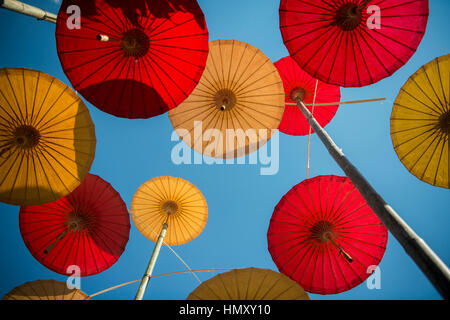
28, 10
151, 264
430, 264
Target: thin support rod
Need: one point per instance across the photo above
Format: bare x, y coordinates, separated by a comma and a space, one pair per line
309, 132
431, 265
339, 102
28, 10
151, 264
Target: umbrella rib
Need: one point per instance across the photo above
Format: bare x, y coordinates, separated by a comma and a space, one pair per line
217, 77
439, 162
434, 91
433, 132
331, 211
42, 150
15, 98
242, 83
38, 122
176, 69
440, 138
237, 83
47, 145
150, 64
238, 67
416, 110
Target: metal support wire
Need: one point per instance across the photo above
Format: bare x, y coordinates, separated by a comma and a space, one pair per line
425, 258
28, 10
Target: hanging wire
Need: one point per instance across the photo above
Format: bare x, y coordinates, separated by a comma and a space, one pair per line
160, 275
310, 129
170, 248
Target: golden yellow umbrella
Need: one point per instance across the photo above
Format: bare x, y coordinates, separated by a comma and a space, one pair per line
167, 209
240, 89
249, 284
45, 290
420, 123
47, 138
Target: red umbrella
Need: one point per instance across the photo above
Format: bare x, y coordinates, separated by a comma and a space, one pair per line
88, 228
338, 43
324, 236
300, 85
133, 59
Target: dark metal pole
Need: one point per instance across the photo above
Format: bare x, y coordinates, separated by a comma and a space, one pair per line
28, 10
430, 264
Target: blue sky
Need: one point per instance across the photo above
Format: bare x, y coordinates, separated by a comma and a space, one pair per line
240, 200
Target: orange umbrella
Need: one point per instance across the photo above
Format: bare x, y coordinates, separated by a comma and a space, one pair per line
167, 208
45, 290
249, 284
240, 90
47, 141
420, 123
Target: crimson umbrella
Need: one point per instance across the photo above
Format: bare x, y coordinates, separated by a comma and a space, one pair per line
352, 43
300, 85
88, 228
324, 236
133, 59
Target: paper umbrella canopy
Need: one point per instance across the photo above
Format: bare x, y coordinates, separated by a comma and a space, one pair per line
237, 104
133, 59
420, 123
45, 290
48, 139
323, 235
89, 228
249, 284
300, 85
352, 43
170, 200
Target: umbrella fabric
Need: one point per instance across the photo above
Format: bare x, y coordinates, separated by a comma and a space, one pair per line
170, 200
300, 85
249, 284
420, 123
155, 53
89, 228
47, 141
45, 290
239, 92
324, 236
338, 42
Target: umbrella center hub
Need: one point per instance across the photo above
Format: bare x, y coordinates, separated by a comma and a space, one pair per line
79, 221
298, 94
444, 122
322, 231
348, 17
225, 99
135, 43
26, 137
170, 207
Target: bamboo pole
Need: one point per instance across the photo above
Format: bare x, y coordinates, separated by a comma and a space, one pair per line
28, 10
430, 264
339, 102
151, 264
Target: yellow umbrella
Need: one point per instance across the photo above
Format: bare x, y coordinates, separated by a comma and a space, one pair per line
249, 284
45, 290
167, 209
47, 139
240, 89
420, 123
